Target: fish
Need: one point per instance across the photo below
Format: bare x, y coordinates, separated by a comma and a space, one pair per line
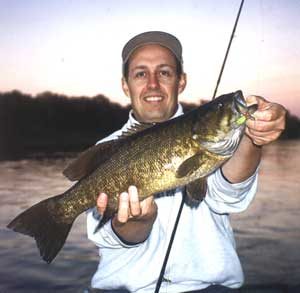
180, 152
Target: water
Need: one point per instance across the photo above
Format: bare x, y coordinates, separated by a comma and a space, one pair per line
267, 234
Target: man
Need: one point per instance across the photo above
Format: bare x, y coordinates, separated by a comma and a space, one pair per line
133, 244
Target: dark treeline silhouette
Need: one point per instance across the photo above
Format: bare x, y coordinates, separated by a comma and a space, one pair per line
50, 123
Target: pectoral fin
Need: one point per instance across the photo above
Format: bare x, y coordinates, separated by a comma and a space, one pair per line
190, 165
196, 190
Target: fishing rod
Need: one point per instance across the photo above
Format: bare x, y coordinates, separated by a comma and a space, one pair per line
228, 48
163, 268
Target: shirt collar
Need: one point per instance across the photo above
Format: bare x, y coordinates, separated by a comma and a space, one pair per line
132, 121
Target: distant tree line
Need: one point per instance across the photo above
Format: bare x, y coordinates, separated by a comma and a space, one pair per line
50, 123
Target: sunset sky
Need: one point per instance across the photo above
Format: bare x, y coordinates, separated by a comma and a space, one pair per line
74, 47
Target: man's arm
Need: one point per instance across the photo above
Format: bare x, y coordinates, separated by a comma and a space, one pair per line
268, 125
134, 219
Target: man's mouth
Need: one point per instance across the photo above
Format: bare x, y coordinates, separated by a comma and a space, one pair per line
153, 98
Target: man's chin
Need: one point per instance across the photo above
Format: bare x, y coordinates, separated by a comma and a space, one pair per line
156, 118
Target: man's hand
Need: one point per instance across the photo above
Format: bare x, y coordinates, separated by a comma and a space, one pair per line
268, 125
269, 121
134, 219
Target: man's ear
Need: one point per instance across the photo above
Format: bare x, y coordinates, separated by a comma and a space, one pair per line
125, 87
182, 83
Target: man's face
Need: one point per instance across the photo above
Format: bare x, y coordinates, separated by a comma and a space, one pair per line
153, 84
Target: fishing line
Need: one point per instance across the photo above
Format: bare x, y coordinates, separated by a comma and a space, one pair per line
260, 47
163, 268
228, 48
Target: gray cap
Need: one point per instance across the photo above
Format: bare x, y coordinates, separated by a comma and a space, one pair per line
153, 37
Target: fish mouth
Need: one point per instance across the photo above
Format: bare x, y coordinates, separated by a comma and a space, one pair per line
239, 102
245, 112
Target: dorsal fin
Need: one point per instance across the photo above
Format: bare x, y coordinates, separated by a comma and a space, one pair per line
135, 128
91, 158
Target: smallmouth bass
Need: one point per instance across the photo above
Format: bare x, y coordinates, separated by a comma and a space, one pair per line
179, 152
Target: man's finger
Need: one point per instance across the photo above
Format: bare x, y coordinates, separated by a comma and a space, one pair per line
123, 210
258, 125
259, 138
275, 124
148, 206
260, 101
265, 134
135, 208
101, 203
271, 112
251, 100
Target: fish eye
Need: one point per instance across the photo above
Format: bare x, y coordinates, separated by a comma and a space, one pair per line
220, 105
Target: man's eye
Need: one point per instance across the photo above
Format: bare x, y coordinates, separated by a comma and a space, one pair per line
140, 74
165, 73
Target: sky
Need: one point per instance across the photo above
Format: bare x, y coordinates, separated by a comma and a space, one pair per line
74, 47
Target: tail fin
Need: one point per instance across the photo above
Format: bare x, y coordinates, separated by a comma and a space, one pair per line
40, 223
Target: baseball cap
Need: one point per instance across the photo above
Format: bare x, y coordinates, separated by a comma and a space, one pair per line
152, 37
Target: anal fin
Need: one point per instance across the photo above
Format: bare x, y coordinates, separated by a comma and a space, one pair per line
196, 190
108, 214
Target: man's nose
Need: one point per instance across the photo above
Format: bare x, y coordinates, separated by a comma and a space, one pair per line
153, 82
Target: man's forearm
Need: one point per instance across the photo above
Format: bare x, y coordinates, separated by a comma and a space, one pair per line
244, 161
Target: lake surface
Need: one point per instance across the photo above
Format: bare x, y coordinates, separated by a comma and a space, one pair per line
267, 234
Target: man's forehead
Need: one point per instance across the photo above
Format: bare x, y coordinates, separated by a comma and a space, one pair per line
157, 66
152, 53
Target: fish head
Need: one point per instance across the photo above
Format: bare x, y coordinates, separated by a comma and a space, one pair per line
220, 124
